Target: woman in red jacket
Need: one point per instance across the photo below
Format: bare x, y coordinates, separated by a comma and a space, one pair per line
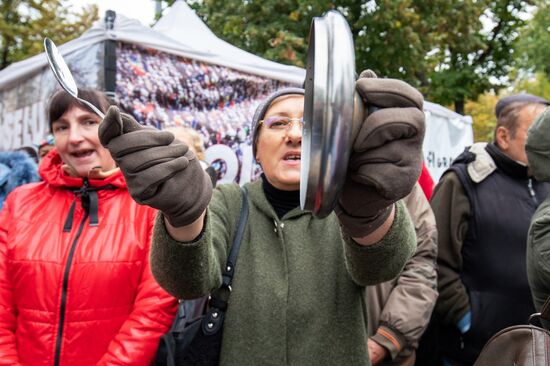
75, 282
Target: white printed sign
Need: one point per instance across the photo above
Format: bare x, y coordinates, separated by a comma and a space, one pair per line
23, 127
447, 134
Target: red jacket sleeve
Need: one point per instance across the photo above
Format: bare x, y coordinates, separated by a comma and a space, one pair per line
152, 315
426, 182
8, 348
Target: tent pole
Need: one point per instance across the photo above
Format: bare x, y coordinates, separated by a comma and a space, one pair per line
109, 60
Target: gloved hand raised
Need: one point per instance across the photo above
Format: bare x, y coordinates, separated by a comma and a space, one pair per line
160, 171
386, 159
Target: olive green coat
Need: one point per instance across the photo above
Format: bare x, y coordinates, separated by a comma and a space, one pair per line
537, 148
298, 288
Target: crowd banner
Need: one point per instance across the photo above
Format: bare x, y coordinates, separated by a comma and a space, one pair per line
164, 90
169, 76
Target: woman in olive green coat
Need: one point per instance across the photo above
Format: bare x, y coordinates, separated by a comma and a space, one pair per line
298, 288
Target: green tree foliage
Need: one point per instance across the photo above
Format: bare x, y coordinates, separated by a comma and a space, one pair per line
534, 41
482, 112
474, 50
453, 50
276, 30
393, 37
387, 33
537, 84
25, 23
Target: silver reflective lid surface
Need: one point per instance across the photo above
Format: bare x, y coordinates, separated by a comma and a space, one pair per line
328, 113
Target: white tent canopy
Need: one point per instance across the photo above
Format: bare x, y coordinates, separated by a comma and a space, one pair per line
125, 29
132, 31
183, 25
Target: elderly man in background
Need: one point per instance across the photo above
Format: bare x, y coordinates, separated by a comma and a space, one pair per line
483, 205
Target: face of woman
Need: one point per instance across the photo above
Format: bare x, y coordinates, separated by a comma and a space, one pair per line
77, 142
279, 147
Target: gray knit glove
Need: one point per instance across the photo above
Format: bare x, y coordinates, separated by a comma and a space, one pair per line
160, 171
387, 154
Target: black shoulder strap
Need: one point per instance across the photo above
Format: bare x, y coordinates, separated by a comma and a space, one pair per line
234, 252
545, 310
220, 296
215, 315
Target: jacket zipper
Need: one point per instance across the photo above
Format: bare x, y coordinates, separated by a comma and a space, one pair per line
64, 291
531, 190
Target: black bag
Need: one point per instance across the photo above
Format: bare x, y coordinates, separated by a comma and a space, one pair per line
196, 334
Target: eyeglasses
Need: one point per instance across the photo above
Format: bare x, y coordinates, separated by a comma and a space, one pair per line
281, 123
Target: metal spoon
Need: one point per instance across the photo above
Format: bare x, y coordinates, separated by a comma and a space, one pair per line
63, 74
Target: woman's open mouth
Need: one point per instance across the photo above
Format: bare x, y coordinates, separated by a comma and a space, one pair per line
82, 153
292, 156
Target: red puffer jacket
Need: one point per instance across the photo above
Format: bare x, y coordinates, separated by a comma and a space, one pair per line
84, 296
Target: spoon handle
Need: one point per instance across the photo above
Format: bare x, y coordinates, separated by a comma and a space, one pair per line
93, 107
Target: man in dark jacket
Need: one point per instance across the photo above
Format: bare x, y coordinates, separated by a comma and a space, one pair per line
483, 205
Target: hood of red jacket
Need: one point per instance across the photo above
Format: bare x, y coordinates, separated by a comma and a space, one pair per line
52, 172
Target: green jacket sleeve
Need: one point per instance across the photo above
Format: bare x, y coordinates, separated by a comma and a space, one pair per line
190, 270
383, 261
451, 208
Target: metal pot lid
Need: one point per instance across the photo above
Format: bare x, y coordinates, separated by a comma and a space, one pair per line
328, 113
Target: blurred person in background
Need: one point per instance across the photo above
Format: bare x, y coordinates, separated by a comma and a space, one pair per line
30, 151
426, 182
483, 205
538, 241
45, 146
400, 309
75, 282
16, 169
194, 141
